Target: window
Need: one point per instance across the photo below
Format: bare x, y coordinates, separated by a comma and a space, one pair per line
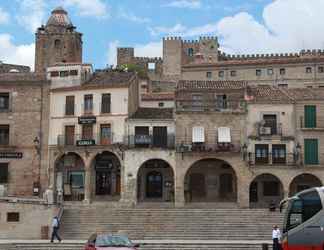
190, 52
57, 44
270, 72
221, 74
160, 137
198, 135
4, 174
221, 102
142, 136
105, 103
270, 121
271, 188
74, 72
77, 179
233, 73
69, 105
88, 104
278, 154
282, 71
4, 102
105, 134
310, 116
161, 104
12, 217
258, 72
261, 154
55, 73
320, 69
308, 70
209, 74
69, 135
311, 151
151, 66
64, 73
283, 85
87, 132
197, 102
4, 134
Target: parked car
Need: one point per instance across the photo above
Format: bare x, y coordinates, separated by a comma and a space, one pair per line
109, 242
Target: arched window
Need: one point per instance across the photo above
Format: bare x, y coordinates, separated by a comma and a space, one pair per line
57, 43
190, 52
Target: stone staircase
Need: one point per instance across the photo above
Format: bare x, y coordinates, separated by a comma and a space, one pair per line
170, 224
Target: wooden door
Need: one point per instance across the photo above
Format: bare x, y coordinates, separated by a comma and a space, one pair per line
197, 185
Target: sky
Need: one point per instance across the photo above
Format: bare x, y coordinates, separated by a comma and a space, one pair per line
242, 26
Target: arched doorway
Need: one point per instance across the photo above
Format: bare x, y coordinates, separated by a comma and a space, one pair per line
107, 177
265, 189
210, 180
70, 177
155, 181
302, 182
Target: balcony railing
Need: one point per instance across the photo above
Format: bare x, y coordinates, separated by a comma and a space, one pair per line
79, 140
87, 109
214, 106
209, 148
151, 141
271, 159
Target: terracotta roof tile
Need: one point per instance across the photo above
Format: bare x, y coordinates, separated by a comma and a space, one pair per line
22, 77
191, 85
305, 94
153, 113
111, 79
163, 96
267, 95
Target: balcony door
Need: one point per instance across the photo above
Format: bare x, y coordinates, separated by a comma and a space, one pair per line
105, 134
69, 135
270, 121
160, 137
142, 136
261, 153
87, 132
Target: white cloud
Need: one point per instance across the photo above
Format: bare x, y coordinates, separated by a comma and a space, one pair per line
4, 16
186, 4
95, 8
151, 49
16, 54
132, 17
31, 14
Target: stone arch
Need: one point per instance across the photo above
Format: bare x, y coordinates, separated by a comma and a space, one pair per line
106, 176
210, 180
69, 169
302, 182
155, 181
265, 189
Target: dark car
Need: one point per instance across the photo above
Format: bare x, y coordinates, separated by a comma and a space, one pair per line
109, 242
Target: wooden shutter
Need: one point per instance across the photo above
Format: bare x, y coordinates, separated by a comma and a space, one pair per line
69, 105
69, 135
87, 132
3, 173
198, 134
311, 151
310, 116
105, 103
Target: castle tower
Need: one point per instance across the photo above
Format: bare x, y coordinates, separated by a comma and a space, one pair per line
57, 41
125, 56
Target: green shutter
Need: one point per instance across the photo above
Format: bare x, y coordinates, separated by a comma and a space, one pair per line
311, 151
310, 116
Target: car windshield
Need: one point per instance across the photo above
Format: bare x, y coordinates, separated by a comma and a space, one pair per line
112, 241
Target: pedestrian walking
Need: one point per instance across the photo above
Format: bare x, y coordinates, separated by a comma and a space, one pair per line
276, 236
55, 228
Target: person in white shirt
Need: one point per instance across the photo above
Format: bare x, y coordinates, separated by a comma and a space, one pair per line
276, 235
55, 227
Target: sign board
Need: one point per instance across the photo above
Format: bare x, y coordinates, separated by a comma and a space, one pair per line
87, 120
11, 155
85, 142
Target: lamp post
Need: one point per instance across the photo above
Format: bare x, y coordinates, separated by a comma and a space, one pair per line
36, 184
182, 149
244, 148
297, 153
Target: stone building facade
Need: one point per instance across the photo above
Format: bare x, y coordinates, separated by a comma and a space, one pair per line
7, 68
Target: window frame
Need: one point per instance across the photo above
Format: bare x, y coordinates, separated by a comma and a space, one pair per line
4, 179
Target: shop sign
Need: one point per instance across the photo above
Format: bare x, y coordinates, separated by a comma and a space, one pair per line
85, 142
11, 155
87, 120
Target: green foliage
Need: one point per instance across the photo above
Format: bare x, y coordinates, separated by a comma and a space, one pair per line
133, 68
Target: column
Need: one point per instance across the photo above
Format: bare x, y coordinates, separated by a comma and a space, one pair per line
179, 198
87, 185
243, 193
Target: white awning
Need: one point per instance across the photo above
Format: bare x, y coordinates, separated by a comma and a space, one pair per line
224, 135
198, 134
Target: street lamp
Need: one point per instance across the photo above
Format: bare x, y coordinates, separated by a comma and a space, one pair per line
37, 145
182, 149
244, 148
297, 152
36, 185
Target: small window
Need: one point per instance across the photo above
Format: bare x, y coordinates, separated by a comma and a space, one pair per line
4, 134
161, 104
4, 173
69, 105
209, 75
271, 188
233, 73
320, 69
258, 72
221, 74
55, 74
283, 85
270, 72
4, 102
151, 66
64, 73
105, 103
73, 72
12, 217
308, 70
190, 52
57, 44
282, 71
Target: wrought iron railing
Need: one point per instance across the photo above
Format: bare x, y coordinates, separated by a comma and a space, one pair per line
273, 159
191, 105
208, 148
151, 141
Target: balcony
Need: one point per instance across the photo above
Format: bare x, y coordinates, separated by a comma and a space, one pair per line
209, 148
268, 132
288, 159
78, 140
151, 141
184, 105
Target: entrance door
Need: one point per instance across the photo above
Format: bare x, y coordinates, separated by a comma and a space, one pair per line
160, 137
118, 184
254, 192
103, 185
226, 185
154, 185
197, 185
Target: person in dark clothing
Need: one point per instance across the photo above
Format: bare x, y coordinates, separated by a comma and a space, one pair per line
55, 228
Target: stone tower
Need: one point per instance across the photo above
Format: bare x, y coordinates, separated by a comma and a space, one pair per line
57, 41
